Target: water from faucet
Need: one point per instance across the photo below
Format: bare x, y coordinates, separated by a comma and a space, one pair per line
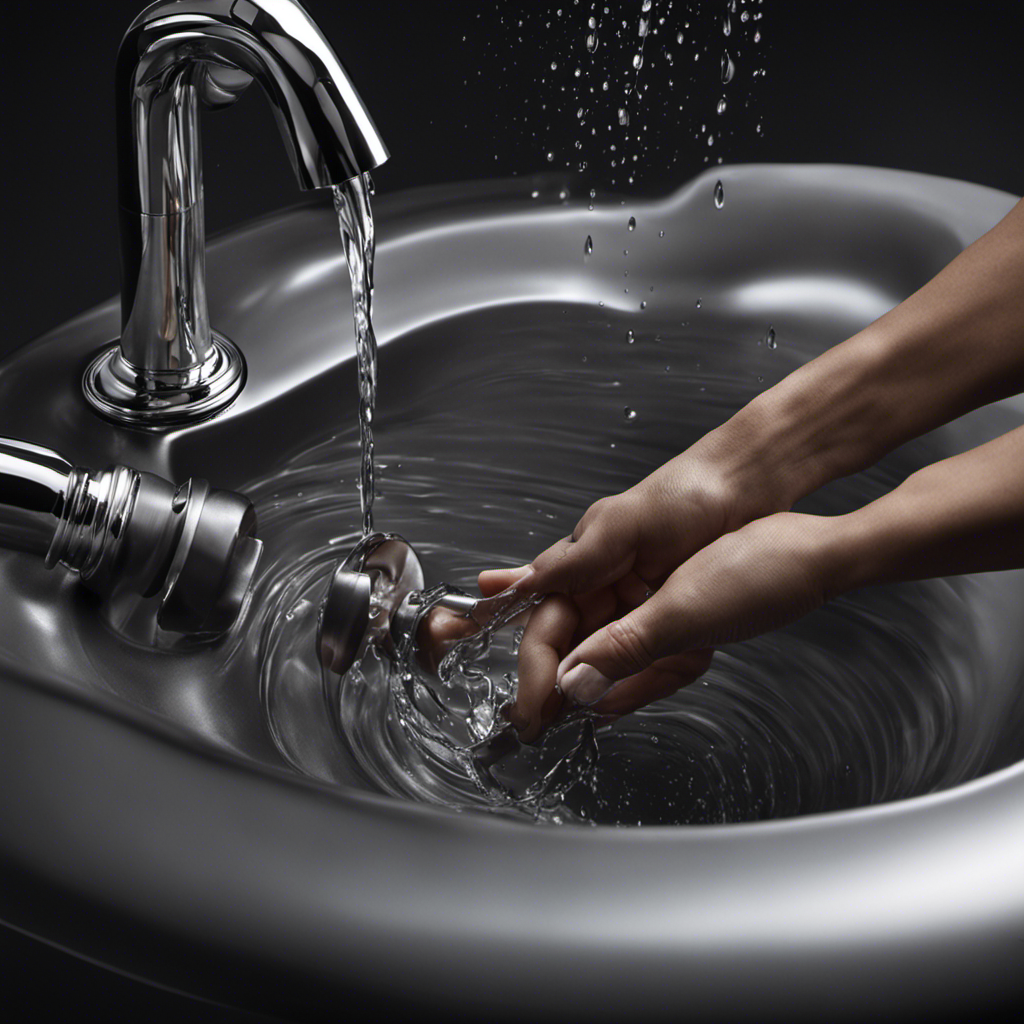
355, 223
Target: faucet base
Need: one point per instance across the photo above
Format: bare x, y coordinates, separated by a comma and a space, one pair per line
159, 399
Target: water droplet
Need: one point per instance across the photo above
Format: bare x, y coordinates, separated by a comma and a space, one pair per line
661, 234
638, 61
769, 338
719, 195
554, 66
698, 303
588, 248
728, 68
593, 193
679, 37
623, 115
629, 338
643, 305
726, 26
644, 24
592, 41
646, 6
551, 157
630, 414
721, 105
632, 224
604, 86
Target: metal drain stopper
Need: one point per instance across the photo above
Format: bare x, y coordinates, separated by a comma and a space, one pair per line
374, 595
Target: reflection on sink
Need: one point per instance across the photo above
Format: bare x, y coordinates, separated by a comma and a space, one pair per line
186, 798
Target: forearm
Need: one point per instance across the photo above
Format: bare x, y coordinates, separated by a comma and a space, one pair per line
964, 514
954, 345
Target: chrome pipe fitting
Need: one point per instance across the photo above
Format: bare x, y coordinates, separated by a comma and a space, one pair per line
169, 367
122, 530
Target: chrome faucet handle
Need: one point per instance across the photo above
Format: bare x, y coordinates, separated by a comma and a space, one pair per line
170, 368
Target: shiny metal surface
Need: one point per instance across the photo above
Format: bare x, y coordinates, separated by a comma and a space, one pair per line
375, 596
170, 367
214, 867
125, 532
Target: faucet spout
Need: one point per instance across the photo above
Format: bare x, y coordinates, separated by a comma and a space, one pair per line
170, 368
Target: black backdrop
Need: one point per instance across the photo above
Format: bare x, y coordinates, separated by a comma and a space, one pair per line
464, 89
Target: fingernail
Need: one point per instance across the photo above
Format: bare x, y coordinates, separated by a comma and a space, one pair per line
585, 685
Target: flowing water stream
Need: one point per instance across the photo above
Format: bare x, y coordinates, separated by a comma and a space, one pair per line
355, 223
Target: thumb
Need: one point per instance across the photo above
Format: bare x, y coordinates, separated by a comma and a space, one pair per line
621, 649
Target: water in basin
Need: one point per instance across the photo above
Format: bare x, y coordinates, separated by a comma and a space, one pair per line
492, 459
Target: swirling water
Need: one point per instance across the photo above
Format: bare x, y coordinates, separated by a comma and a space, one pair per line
492, 454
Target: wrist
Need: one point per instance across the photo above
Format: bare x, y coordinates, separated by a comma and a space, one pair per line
825, 420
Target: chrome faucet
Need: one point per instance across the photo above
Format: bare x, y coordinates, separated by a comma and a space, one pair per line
170, 368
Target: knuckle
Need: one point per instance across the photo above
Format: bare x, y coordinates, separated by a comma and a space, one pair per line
629, 644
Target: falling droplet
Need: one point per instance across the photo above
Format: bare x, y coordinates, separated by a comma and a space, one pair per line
630, 414
769, 338
632, 224
726, 26
643, 305
591, 40
623, 115
719, 195
638, 61
698, 303
588, 248
728, 68
629, 338
644, 24
554, 66
646, 6
661, 234
551, 157
721, 105
679, 37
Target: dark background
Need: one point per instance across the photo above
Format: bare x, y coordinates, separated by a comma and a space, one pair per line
464, 90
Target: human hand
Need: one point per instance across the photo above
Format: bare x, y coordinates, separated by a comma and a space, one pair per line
624, 549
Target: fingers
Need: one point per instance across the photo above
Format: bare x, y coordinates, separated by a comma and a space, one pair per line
755, 579
623, 648
547, 640
662, 679
494, 581
601, 549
